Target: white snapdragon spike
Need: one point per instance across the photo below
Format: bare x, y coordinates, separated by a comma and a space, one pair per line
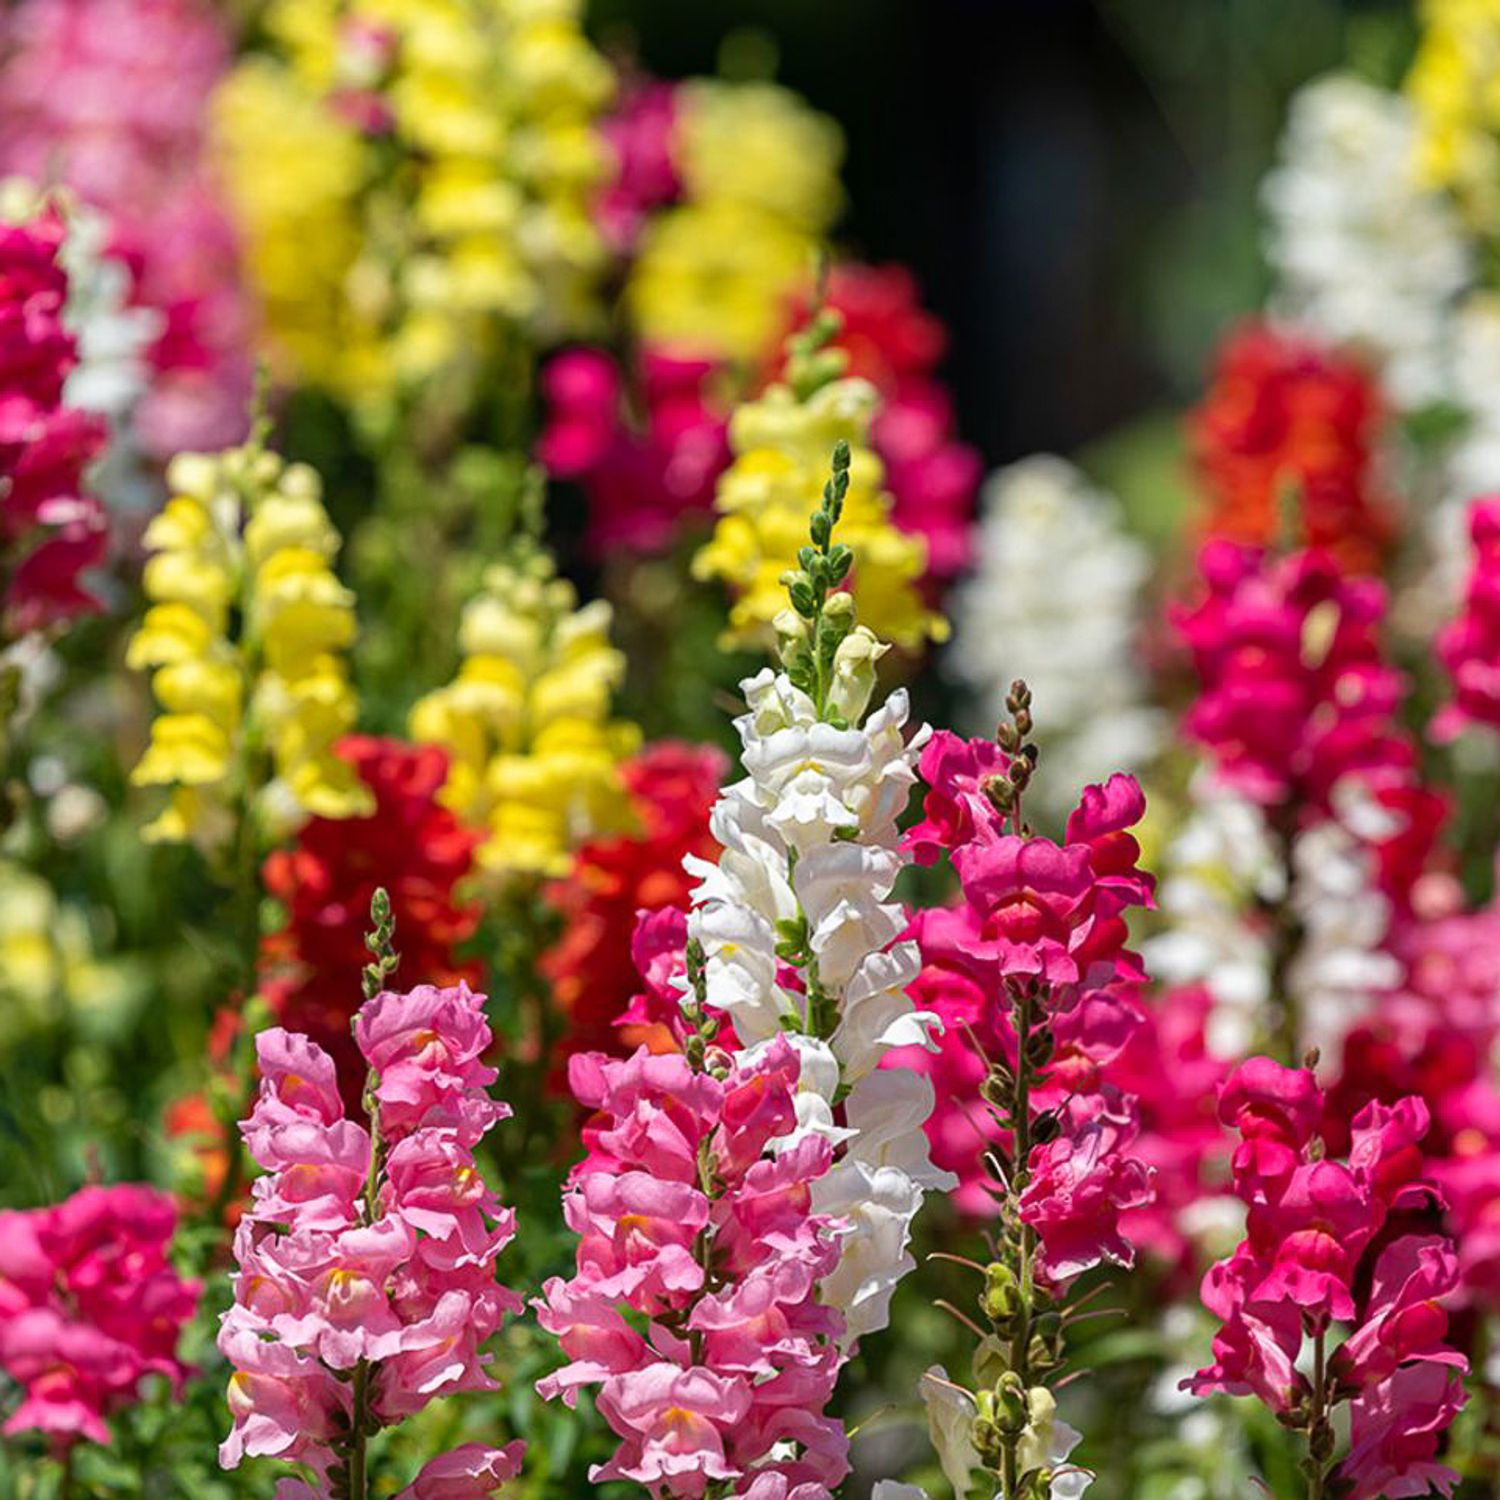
1069, 632
1362, 253
113, 337
810, 848
1217, 869
1341, 967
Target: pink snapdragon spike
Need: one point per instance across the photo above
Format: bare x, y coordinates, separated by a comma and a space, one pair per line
90, 1305
1317, 1259
366, 1285
1469, 646
692, 1211
51, 529
1052, 915
1296, 694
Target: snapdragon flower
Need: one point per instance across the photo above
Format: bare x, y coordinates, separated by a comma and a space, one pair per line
245, 639
52, 528
1043, 942
781, 443
1313, 1258
90, 1306
1365, 255
534, 755
366, 1256
476, 123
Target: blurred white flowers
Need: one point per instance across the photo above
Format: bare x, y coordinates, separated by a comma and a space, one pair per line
1055, 599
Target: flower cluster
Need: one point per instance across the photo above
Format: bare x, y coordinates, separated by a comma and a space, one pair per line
245, 639
90, 1305
1469, 646
438, 163
51, 528
110, 98
692, 1209
1068, 629
781, 443
535, 756
366, 1284
1314, 1256
1296, 694
759, 172
409, 845
1458, 120
1285, 440
651, 459
619, 879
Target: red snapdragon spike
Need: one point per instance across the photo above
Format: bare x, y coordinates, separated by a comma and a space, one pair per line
411, 845
1288, 423
595, 968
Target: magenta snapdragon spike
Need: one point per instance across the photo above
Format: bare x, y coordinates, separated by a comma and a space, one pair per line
366, 1284
90, 1305
692, 1209
51, 529
1469, 646
1040, 945
1319, 1270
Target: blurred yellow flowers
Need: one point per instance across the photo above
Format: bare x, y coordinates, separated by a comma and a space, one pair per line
1454, 86
782, 447
535, 755
761, 191
245, 638
410, 176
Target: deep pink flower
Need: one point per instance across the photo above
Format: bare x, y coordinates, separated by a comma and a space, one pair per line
89, 1306
1296, 694
51, 530
1469, 646
1313, 1230
111, 98
1081, 1183
955, 809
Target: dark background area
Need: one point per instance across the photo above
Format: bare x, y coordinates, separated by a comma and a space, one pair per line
1074, 181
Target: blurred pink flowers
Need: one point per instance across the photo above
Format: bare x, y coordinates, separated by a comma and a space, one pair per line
51, 529
110, 98
1469, 647
89, 1306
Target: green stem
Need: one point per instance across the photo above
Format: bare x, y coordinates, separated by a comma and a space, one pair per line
1287, 935
1317, 1463
1020, 1342
358, 1484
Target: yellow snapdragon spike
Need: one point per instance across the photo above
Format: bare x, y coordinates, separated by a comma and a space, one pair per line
1454, 87
761, 192
534, 754
781, 448
410, 177
245, 638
